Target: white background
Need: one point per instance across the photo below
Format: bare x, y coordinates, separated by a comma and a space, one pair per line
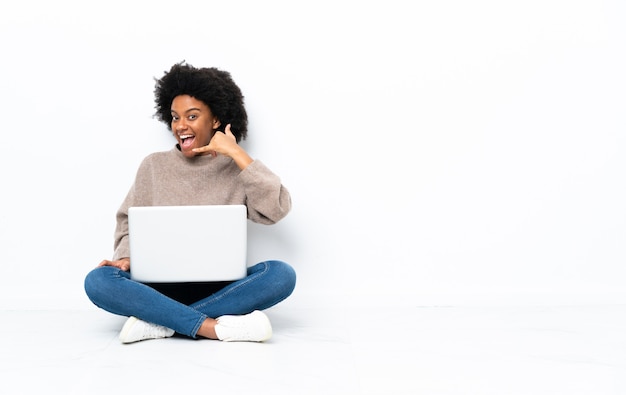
437, 151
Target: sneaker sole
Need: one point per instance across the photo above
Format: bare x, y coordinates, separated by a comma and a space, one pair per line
268, 334
130, 322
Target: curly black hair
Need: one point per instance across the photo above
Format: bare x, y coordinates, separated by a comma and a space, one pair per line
212, 86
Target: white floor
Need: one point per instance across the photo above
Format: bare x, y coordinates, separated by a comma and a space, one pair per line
420, 350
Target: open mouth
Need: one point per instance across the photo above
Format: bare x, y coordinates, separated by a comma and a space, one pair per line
186, 141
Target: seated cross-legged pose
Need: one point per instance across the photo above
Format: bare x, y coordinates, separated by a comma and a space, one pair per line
204, 109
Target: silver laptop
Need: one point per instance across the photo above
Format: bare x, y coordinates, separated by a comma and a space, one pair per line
187, 243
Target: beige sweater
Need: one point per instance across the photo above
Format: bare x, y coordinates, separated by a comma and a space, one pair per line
170, 179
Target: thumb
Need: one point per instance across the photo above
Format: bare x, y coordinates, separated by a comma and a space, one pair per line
227, 130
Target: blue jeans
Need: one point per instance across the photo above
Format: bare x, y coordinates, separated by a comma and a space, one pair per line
266, 284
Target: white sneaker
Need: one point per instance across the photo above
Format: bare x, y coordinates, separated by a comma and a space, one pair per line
253, 327
135, 330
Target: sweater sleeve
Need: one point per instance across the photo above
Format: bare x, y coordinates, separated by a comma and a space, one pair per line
267, 199
121, 248
138, 195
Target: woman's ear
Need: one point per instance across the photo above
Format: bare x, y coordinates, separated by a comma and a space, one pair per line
216, 124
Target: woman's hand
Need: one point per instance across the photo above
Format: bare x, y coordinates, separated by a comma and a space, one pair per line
122, 264
225, 143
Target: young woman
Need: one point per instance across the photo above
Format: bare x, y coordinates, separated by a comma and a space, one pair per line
204, 109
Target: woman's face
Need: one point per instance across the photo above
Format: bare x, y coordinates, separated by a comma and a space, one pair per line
193, 124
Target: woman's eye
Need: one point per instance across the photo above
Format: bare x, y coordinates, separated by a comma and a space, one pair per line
192, 117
